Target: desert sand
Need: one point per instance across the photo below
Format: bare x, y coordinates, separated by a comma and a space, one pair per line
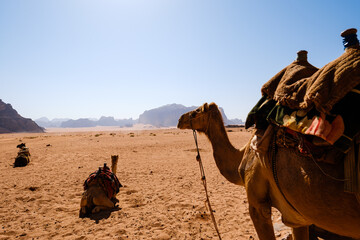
162, 197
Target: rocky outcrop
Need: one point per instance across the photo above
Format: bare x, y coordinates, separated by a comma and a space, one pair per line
168, 116
81, 122
11, 121
164, 116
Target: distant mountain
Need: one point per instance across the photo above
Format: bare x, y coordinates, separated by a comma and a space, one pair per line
168, 116
46, 123
103, 121
164, 116
11, 121
235, 121
110, 121
107, 121
82, 122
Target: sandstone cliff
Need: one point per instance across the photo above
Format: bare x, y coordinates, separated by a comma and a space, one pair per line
11, 121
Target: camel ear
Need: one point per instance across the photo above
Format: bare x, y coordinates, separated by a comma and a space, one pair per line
212, 106
205, 107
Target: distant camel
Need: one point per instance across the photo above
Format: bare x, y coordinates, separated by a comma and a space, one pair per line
100, 188
23, 157
303, 194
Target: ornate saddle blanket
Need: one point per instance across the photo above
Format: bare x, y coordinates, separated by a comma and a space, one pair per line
338, 128
107, 179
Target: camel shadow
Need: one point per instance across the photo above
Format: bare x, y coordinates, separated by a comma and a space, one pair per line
105, 214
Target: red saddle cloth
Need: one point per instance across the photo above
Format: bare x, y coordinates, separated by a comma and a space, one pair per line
108, 180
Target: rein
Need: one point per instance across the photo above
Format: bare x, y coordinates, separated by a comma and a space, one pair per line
203, 178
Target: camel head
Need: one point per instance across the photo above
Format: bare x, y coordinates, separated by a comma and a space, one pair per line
207, 119
114, 161
199, 118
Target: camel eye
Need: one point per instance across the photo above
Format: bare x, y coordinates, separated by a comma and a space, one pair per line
193, 114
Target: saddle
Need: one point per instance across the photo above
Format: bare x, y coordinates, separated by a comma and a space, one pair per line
107, 180
316, 109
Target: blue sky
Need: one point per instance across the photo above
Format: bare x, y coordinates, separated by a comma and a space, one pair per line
84, 58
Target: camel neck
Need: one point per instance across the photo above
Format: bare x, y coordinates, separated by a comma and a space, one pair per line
226, 156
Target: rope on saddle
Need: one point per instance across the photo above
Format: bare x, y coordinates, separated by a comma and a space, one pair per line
295, 140
107, 180
273, 153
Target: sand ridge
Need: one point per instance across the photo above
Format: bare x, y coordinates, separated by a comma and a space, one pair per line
162, 197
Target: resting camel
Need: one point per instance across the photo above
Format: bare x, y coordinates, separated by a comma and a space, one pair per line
303, 194
23, 157
100, 188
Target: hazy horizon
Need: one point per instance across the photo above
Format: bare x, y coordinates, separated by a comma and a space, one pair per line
97, 118
87, 58
136, 118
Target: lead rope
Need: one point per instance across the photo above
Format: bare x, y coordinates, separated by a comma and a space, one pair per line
301, 141
203, 179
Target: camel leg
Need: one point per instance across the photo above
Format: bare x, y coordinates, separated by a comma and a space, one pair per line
300, 233
83, 205
261, 217
102, 202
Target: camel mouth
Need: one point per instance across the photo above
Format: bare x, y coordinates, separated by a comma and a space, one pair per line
183, 124
180, 124
181, 127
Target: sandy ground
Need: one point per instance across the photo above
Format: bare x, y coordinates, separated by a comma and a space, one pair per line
162, 197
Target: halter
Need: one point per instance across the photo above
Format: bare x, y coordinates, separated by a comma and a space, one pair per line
208, 124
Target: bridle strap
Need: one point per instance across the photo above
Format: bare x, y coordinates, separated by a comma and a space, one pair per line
208, 124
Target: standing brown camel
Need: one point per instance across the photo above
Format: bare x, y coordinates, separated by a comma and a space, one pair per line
303, 195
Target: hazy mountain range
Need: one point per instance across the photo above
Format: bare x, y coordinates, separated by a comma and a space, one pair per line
165, 116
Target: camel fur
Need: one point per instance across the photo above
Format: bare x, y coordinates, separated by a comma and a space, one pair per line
305, 196
94, 198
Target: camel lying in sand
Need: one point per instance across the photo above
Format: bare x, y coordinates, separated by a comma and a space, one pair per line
23, 157
100, 188
303, 194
